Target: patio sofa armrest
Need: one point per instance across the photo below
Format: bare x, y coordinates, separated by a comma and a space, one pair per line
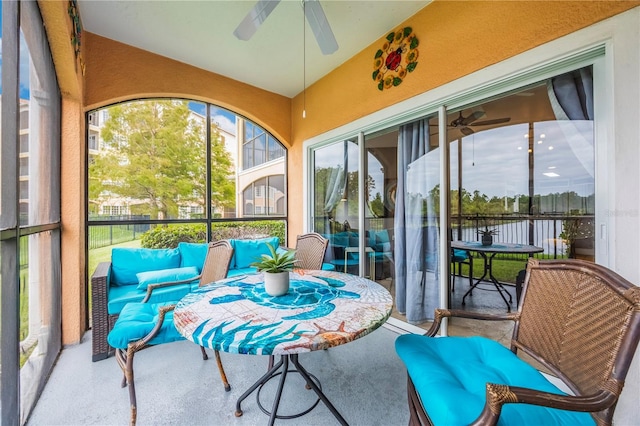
99, 314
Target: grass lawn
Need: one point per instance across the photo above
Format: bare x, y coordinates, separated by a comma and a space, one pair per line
103, 254
505, 270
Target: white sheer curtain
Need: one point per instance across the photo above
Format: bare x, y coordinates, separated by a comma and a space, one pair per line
416, 232
571, 97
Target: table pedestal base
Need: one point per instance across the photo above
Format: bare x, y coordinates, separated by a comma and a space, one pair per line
281, 368
488, 267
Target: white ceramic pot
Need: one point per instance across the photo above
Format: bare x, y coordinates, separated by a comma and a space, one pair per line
276, 284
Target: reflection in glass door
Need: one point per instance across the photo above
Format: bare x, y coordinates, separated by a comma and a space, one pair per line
381, 171
523, 166
335, 202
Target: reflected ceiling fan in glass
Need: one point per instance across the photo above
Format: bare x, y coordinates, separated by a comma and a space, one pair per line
312, 11
465, 124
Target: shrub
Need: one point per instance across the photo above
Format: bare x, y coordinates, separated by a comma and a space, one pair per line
242, 230
169, 236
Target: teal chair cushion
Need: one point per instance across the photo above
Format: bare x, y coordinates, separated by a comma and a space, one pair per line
328, 267
248, 251
450, 374
120, 296
193, 254
137, 320
165, 275
127, 262
459, 255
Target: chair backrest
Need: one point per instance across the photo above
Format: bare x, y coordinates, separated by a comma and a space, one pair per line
582, 321
216, 264
310, 250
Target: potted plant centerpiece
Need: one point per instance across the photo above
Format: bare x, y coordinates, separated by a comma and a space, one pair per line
276, 267
487, 235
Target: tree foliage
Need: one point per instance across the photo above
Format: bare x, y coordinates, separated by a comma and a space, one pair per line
153, 154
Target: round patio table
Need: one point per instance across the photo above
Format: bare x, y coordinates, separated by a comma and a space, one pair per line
322, 309
492, 250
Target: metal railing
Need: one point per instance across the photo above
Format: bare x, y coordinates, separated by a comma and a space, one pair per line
552, 232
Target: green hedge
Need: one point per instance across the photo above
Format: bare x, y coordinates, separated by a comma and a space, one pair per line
169, 236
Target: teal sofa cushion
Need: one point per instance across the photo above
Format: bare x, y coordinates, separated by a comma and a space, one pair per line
137, 320
165, 275
193, 254
340, 239
119, 296
249, 251
450, 375
127, 262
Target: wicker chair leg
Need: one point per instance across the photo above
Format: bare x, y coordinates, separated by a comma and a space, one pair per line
204, 353
132, 387
223, 376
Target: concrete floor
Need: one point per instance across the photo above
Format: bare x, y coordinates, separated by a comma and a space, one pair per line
483, 299
365, 380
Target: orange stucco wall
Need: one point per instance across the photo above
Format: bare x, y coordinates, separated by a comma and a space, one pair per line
456, 38
116, 72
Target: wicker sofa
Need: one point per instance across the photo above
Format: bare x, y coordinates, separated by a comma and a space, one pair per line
131, 270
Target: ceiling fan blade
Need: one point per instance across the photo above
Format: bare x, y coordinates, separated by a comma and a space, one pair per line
256, 16
466, 131
471, 118
320, 26
494, 121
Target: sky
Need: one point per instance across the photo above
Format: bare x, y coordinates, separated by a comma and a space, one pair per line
226, 120
24, 63
496, 162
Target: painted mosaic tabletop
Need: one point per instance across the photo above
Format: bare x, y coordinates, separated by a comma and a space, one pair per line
322, 309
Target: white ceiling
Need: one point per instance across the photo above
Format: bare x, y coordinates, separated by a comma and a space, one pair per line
200, 33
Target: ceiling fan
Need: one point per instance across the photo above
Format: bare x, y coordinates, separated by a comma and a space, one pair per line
464, 124
312, 11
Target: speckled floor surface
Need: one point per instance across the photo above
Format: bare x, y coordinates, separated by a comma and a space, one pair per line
364, 379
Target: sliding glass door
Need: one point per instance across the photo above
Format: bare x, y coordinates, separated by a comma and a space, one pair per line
520, 163
523, 165
335, 202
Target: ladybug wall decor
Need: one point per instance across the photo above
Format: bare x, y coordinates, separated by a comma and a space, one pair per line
397, 57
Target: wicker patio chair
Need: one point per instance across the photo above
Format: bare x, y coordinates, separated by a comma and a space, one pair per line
142, 325
310, 251
577, 320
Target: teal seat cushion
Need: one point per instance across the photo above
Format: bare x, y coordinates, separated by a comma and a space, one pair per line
120, 296
137, 320
450, 375
193, 254
249, 251
328, 267
165, 275
127, 262
459, 255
